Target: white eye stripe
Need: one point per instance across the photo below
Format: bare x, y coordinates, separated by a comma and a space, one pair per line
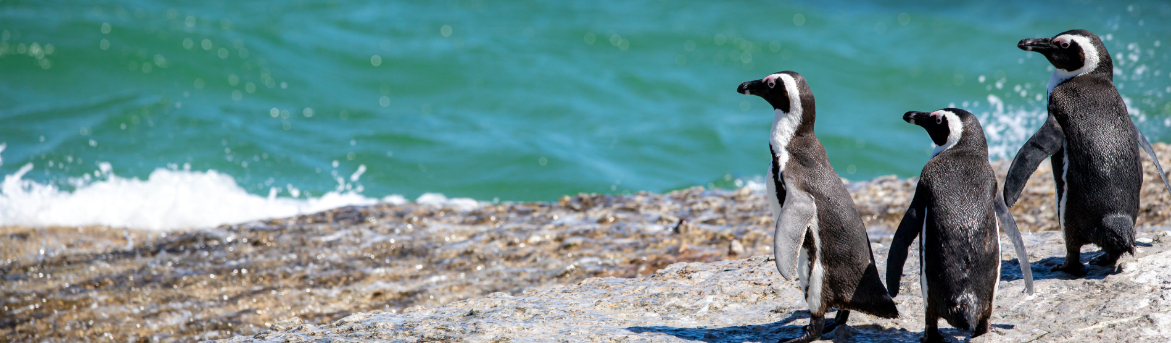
955, 128
794, 94
1091, 60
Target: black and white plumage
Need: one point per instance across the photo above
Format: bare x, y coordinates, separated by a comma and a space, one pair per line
820, 237
1094, 148
955, 213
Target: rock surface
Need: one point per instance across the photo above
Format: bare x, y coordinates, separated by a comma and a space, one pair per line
74, 284
747, 301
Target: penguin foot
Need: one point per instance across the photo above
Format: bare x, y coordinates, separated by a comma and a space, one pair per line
932, 336
840, 319
812, 332
806, 338
1074, 268
1105, 260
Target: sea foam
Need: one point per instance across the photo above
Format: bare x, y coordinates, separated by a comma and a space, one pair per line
169, 199
1008, 127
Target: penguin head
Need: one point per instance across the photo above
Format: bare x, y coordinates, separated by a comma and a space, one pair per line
947, 127
1073, 52
786, 91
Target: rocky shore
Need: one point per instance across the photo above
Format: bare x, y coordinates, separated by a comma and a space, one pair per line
746, 300
384, 266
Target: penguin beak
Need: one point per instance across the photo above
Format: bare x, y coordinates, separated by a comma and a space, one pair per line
917, 118
1036, 44
750, 88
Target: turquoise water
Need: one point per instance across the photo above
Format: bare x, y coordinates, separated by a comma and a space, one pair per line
520, 100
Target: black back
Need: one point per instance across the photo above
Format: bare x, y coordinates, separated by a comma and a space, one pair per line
1104, 172
953, 215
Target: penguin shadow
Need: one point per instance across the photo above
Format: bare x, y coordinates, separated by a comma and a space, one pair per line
771, 332
1043, 270
774, 332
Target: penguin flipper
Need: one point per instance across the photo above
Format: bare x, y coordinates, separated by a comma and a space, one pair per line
1047, 141
908, 229
1009, 225
1142, 140
792, 223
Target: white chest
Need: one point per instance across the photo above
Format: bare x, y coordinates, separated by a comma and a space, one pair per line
784, 127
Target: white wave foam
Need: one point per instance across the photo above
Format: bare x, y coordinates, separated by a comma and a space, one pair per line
436, 199
1008, 127
169, 199
756, 184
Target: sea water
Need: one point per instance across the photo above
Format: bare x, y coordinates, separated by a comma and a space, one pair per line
166, 114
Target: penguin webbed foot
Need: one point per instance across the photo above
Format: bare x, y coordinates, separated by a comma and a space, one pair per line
806, 338
839, 320
931, 335
812, 332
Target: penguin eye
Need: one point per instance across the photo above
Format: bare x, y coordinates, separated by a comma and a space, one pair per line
939, 120
771, 83
1064, 45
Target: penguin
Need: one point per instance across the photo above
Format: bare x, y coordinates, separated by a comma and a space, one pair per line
819, 235
1093, 147
955, 213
